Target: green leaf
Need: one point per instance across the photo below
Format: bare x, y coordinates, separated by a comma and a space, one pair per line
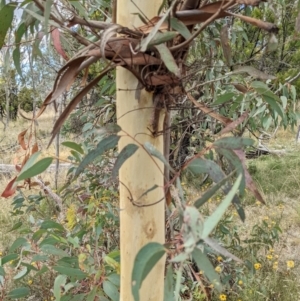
36, 169
155, 153
111, 291
2, 272
21, 274
19, 242
115, 279
47, 12
144, 261
9, 258
211, 222
43, 270
59, 282
71, 272
169, 285
74, 146
233, 142
38, 234
20, 292
50, 249
180, 27
144, 43
162, 37
260, 87
16, 226
224, 98
211, 192
205, 265
6, 17
16, 57
104, 145
202, 166
125, 153
274, 105
51, 225
38, 257
168, 59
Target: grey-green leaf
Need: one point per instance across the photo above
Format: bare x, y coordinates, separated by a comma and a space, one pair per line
168, 59
181, 28
17, 293
74, 146
71, 272
111, 291
125, 153
205, 265
169, 285
233, 142
36, 169
144, 261
211, 222
6, 17
104, 145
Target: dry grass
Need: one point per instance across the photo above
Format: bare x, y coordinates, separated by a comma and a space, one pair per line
9, 142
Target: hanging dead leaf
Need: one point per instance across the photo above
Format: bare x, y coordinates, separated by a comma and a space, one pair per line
55, 34
84, 79
252, 72
66, 75
297, 23
73, 103
10, 189
34, 148
224, 36
209, 111
21, 139
249, 181
250, 2
231, 126
269, 27
240, 87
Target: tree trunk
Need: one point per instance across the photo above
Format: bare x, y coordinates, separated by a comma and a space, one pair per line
139, 225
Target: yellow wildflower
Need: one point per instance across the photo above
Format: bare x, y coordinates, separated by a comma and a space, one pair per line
275, 265
30, 282
290, 264
271, 250
257, 266
258, 203
240, 282
223, 297
1, 253
269, 257
52, 298
218, 269
265, 218
219, 258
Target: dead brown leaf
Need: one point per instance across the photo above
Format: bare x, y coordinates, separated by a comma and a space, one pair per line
21, 139
248, 179
208, 111
231, 126
74, 102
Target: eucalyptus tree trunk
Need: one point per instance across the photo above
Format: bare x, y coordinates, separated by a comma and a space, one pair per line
139, 225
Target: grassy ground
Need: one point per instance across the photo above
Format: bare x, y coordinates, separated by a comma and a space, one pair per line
276, 176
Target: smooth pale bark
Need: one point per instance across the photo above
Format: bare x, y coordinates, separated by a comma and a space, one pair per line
139, 225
